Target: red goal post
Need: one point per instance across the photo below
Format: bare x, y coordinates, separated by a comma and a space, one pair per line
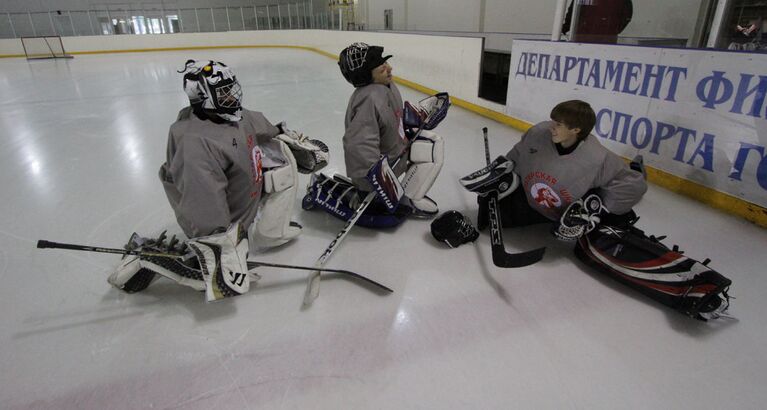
40, 47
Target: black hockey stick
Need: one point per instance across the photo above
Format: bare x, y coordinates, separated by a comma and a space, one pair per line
43, 244
501, 258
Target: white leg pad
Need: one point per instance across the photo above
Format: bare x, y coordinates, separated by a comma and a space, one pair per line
427, 154
223, 261
272, 224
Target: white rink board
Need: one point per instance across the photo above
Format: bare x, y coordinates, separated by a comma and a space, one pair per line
697, 114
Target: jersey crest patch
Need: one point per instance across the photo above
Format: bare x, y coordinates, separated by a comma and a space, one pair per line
256, 161
545, 196
401, 127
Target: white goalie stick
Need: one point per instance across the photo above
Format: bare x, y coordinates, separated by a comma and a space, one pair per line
438, 108
43, 244
501, 258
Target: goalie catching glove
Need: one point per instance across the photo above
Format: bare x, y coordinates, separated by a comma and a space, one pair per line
498, 177
580, 218
418, 116
311, 154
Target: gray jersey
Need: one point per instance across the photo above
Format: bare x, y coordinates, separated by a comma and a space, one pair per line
213, 173
373, 127
552, 181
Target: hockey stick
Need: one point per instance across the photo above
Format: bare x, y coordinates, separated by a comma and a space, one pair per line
501, 258
487, 145
313, 286
43, 244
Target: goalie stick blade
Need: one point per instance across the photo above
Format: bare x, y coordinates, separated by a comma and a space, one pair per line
516, 260
501, 258
312, 288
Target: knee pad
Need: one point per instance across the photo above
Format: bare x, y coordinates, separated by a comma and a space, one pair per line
427, 154
272, 225
663, 274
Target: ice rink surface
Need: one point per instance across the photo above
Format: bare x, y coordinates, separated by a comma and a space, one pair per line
81, 144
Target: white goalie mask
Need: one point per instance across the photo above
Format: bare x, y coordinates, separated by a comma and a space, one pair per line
215, 86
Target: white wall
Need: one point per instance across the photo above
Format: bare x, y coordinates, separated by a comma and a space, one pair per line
519, 16
442, 63
376, 13
461, 15
652, 18
12, 6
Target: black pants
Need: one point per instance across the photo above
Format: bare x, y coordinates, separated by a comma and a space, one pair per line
514, 209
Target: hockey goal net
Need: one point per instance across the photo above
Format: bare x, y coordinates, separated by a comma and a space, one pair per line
43, 47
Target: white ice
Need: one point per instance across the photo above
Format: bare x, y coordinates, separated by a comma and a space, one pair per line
81, 144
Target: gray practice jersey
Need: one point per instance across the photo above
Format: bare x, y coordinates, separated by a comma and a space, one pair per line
373, 127
552, 181
213, 174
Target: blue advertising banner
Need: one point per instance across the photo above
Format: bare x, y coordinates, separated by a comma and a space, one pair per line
697, 114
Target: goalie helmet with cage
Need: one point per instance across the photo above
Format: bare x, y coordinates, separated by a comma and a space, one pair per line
214, 86
358, 61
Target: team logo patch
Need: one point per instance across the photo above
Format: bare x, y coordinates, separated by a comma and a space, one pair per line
545, 196
256, 161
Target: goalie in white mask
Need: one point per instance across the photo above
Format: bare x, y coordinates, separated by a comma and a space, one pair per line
231, 178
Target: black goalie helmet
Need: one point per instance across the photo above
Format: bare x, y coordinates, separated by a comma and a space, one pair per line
358, 61
213, 85
454, 229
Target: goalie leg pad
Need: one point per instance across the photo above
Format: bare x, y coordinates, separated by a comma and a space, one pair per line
135, 273
224, 263
427, 154
650, 267
272, 226
337, 196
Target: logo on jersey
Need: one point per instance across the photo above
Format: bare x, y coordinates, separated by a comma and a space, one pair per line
545, 196
257, 162
401, 128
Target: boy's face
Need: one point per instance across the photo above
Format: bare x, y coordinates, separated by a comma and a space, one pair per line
562, 134
382, 74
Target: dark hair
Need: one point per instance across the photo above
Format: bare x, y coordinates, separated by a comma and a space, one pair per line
575, 114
